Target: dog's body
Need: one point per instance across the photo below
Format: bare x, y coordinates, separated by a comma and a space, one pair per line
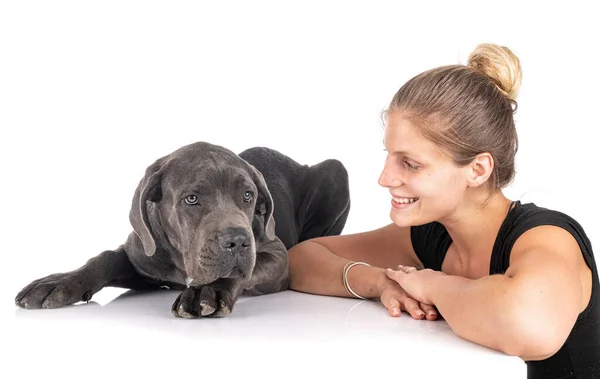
207, 222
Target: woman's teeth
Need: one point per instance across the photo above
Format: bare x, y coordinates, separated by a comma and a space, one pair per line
405, 200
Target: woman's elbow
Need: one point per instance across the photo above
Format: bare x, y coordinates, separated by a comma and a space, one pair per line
297, 254
535, 337
297, 260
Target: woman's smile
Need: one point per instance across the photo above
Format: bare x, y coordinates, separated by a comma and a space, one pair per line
403, 202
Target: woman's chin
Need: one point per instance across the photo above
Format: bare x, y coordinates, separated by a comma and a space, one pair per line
401, 219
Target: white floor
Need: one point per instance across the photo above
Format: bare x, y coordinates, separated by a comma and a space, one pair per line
289, 334
93, 92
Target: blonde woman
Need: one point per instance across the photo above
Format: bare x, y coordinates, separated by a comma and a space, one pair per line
458, 247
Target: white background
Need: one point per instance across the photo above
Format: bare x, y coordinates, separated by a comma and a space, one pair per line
91, 93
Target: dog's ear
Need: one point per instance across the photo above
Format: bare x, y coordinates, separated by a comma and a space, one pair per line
149, 189
264, 203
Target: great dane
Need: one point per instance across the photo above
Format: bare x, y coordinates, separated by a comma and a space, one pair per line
212, 224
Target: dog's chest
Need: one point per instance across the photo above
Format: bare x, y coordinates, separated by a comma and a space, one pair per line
161, 269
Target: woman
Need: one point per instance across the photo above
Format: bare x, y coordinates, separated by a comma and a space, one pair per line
466, 252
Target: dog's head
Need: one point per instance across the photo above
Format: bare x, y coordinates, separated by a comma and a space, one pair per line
210, 205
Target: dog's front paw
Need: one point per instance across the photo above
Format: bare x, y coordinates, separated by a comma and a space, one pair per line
203, 302
54, 291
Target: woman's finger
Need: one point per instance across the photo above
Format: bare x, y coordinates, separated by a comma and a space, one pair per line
430, 312
393, 307
412, 307
394, 275
406, 269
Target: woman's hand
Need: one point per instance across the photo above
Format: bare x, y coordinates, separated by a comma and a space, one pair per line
395, 299
415, 282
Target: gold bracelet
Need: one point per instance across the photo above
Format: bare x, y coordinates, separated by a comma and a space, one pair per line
347, 268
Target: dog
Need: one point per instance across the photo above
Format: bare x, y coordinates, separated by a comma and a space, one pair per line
212, 224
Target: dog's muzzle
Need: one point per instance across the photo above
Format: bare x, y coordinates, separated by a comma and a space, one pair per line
234, 241
235, 245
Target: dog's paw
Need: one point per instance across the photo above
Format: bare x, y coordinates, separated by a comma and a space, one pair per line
54, 291
203, 302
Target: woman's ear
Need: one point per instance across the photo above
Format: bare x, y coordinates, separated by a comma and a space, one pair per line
480, 169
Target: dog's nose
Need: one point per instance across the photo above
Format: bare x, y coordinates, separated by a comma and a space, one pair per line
234, 240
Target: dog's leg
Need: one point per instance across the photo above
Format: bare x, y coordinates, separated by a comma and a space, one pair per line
217, 299
325, 200
109, 268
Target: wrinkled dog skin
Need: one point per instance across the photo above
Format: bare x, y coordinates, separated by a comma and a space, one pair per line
203, 221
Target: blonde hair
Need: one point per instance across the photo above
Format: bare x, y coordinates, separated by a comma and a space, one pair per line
501, 65
468, 109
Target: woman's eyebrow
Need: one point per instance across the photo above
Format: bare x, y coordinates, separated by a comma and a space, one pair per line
407, 154
401, 152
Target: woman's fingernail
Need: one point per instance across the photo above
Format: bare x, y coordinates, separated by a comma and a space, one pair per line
420, 313
395, 312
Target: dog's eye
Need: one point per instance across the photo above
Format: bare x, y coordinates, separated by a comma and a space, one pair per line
191, 200
248, 196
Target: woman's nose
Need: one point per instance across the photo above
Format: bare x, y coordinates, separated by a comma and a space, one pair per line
389, 177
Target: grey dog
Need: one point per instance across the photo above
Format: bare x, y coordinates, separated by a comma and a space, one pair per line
212, 224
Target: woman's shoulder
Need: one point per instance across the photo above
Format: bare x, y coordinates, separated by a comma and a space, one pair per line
526, 216
531, 211
523, 218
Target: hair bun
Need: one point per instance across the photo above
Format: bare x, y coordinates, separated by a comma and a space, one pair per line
501, 65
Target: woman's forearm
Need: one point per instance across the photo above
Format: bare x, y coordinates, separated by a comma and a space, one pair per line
471, 307
315, 269
489, 311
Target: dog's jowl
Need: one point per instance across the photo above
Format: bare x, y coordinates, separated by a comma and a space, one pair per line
212, 224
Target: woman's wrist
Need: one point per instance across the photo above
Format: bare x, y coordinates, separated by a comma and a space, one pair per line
383, 283
367, 281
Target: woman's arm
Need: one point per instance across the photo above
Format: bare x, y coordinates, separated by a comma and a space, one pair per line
316, 266
529, 311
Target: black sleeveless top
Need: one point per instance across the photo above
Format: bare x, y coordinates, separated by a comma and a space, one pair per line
579, 357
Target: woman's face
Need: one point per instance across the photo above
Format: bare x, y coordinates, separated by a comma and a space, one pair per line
425, 185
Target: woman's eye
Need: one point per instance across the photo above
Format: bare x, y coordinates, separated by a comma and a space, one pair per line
410, 166
192, 200
248, 196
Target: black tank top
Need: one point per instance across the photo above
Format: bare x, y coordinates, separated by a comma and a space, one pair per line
579, 357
